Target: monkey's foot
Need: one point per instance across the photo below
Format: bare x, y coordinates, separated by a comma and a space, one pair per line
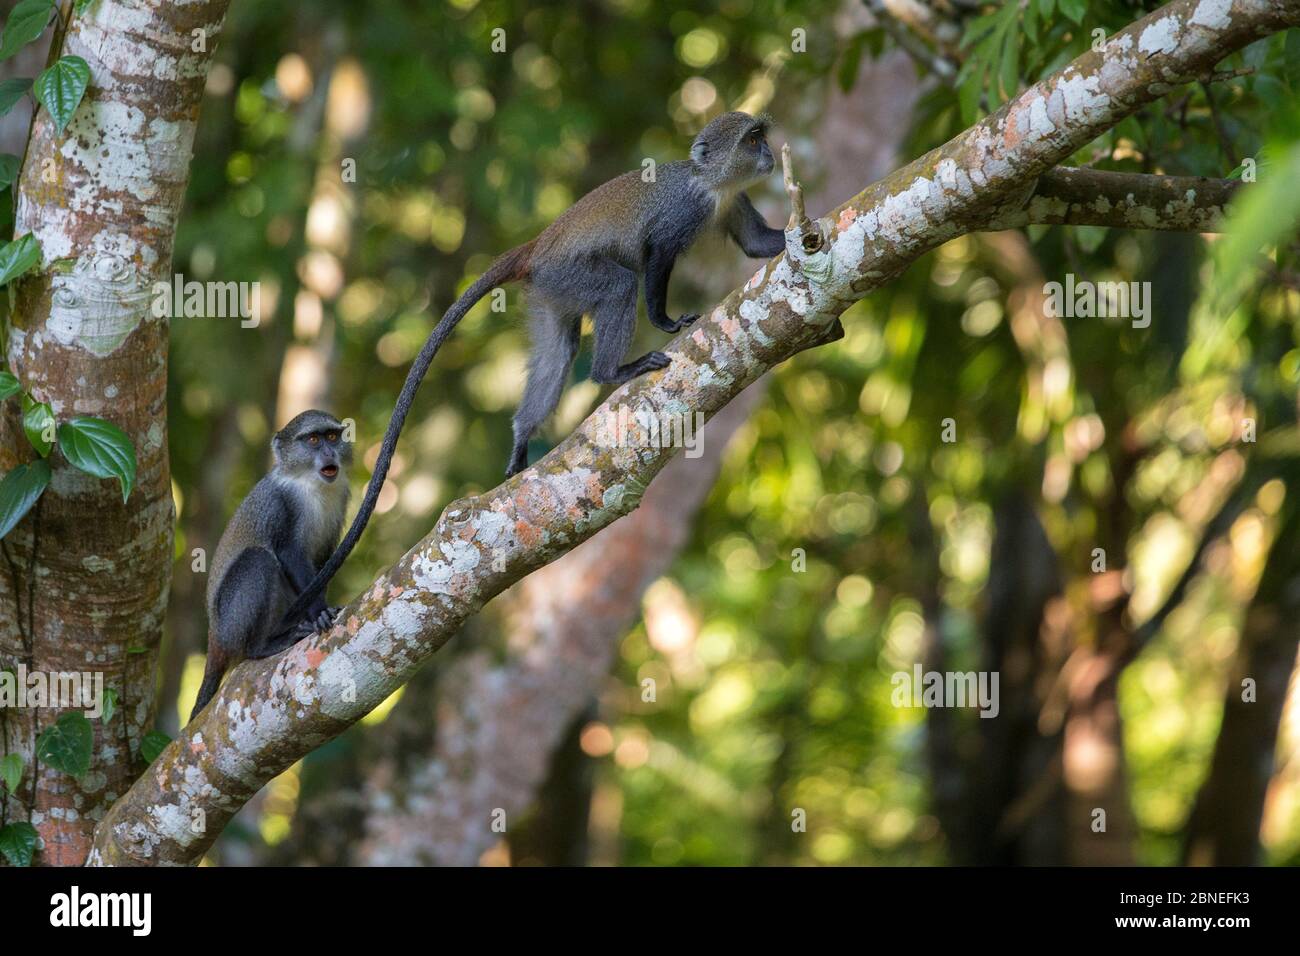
650, 362
681, 323
319, 624
325, 619
518, 460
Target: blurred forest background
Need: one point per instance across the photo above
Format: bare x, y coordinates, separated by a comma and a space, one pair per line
709, 680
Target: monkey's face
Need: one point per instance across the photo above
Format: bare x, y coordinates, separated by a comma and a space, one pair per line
313, 445
328, 452
733, 150
755, 144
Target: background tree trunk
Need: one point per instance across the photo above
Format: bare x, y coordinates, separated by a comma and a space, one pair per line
103, 198
1224, 826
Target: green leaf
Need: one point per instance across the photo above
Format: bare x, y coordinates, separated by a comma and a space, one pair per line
19, 491
38, 423
11, 771
18, 843
1291, 59
13, 90
968, 93
1009, 71
80, 6
60, 88
18, 257
154, 743
26, 22
9, 385
847, 72
1090, 238
1259, 217
1076, 10
110, 705
8, 169
66, 744
101, 449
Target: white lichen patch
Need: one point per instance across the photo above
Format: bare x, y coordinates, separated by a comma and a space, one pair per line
1043, 208
96, 564
1215, 14
430, 575
252, 731
462, 556
171, 821
1035, 119
1161, 36
1076, 98
98, 304
350, 681
493, 529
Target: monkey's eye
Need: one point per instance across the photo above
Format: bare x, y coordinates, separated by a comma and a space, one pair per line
331, 437
753, 139
313, 440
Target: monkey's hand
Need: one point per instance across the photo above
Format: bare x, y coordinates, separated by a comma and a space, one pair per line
668, 325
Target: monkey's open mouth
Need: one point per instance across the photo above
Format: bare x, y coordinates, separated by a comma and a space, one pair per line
329, 472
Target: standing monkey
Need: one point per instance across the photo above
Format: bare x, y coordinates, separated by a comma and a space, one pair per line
277, 540
588, 261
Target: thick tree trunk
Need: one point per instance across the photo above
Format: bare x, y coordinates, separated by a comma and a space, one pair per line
103, 198
1224, 826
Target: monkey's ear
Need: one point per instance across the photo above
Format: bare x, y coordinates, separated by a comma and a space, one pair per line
699, 150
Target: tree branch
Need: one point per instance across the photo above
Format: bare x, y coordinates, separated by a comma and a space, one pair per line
270, 713
1067, 196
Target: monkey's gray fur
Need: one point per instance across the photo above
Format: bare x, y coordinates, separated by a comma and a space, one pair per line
279, 537
588, 262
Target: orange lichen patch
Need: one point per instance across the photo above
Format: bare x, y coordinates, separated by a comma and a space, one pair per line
314, 656
396, 591
354, 624
533, 501
698, 337
529, 535
197, 746
1011, 130
67, 843
846, 217
730, 327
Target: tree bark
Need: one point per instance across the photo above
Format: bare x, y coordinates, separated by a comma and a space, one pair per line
1224, 826
103, 198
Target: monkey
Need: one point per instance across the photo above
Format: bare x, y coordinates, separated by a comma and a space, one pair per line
588, 261
278, 538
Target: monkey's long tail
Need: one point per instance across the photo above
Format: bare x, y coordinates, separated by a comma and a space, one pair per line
507, 267
212, 673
